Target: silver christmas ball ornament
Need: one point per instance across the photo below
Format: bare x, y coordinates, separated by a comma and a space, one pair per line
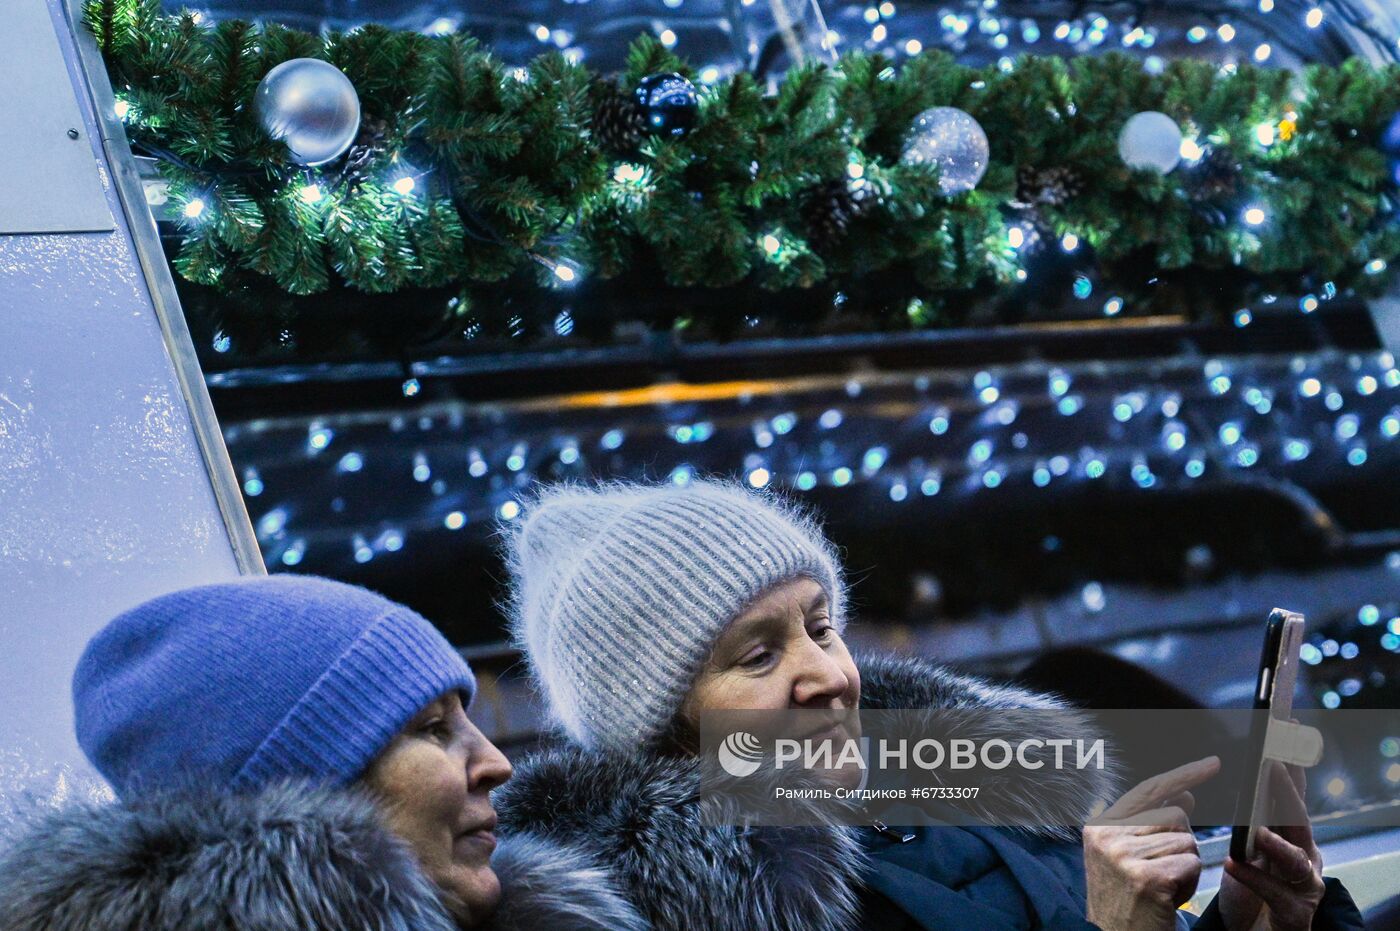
952, 140
1151, 141
311, 106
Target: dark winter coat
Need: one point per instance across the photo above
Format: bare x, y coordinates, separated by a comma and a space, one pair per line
287, 859
990, 879
639, 813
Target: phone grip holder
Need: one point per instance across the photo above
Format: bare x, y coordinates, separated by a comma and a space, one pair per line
1292, 743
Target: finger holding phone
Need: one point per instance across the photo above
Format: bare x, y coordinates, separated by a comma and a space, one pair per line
1280, 887
1140, 857
1141, 860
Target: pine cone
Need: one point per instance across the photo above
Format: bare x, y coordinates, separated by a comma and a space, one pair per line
828, 213
366, 149
1050, 187
1217, 177
618, 121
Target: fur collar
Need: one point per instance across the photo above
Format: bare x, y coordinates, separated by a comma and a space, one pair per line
1057, 801
639, 813
549, 886
287, 858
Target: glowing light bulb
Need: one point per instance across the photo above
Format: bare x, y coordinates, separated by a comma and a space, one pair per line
310, 194
194, 209
628, 173
1255, 216
1314, 18
405, 185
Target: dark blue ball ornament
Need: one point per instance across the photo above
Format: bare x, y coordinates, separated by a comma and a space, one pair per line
669, 104
1390, 139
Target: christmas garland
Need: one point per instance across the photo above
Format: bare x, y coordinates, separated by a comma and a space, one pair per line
463, 172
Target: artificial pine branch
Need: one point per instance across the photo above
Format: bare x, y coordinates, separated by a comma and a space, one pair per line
508, 162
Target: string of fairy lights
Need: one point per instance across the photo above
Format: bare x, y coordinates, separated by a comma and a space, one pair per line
333, 494
1029, 428
736, 34
1265, 31
1351, 656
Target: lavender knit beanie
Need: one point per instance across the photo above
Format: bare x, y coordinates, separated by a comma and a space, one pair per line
241, 683
620, 591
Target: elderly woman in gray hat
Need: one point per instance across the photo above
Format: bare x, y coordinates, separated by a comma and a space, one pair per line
641, 608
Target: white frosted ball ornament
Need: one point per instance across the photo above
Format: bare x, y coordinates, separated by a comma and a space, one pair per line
311, 106
953, 141
1151, 141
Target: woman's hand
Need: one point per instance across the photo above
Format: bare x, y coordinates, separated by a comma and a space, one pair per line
1281, 888
1140, 857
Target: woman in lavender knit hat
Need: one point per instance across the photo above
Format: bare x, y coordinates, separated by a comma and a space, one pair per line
642, 607
288, 753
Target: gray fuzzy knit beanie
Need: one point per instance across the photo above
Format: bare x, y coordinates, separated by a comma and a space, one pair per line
619, 593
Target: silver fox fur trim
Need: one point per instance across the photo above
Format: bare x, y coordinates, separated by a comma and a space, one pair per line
639, 813
289, 858
1056, 802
